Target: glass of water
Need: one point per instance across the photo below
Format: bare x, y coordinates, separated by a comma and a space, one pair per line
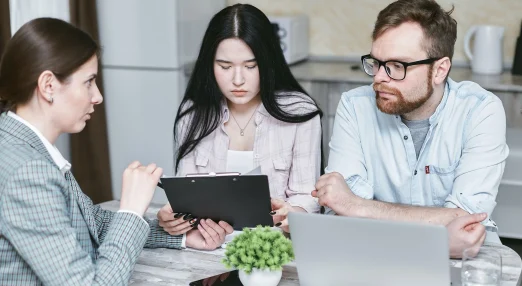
481, 266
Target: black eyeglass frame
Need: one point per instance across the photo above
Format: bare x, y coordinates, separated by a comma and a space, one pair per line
405, 64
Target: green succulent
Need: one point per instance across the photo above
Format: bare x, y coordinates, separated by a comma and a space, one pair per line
261, 248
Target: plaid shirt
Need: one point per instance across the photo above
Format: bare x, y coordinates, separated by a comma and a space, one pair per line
288, 153
50, 232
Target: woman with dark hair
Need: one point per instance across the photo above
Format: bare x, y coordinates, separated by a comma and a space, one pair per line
244, 109
50, 232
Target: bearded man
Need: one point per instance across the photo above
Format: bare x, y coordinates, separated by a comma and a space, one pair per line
416, 145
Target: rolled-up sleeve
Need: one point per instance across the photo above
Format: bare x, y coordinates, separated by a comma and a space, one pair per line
346, 154
481, 166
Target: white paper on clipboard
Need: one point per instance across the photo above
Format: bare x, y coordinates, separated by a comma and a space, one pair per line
256, 171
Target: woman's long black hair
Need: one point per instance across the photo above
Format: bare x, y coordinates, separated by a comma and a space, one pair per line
203, 98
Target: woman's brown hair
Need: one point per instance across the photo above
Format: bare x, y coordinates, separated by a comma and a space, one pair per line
39, 45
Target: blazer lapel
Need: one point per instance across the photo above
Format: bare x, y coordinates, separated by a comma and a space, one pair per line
85, 205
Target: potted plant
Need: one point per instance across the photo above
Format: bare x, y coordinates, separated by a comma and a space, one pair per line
259, 254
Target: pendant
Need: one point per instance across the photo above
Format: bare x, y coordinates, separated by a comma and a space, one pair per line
242, 133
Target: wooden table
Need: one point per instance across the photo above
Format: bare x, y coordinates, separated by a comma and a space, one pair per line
180, 267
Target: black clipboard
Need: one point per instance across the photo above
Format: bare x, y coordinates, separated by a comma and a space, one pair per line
242, 201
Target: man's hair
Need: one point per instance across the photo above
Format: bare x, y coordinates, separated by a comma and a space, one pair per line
440, 29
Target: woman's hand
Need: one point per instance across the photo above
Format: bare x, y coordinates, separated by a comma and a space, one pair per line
280, 210
138, 186
175, 223
209, 235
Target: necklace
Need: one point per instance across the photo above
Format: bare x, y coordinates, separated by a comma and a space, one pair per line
242, 130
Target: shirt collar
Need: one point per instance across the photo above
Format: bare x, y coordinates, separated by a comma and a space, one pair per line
57, 157
436, 116
261, 110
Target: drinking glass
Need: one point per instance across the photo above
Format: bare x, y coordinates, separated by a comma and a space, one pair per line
481, 266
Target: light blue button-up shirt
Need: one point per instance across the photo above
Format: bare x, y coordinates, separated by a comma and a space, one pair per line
460, 163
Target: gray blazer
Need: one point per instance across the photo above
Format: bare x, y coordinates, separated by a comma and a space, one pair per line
50, 232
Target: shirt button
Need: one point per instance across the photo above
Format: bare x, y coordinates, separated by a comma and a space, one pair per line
415, 173
405, 137
256, 156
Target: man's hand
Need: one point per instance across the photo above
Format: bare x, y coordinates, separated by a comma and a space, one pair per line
466, 232
333, 192
209, 235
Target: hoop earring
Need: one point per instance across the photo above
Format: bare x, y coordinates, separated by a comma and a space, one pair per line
51, 99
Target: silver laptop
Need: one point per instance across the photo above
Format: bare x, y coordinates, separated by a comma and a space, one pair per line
335, 250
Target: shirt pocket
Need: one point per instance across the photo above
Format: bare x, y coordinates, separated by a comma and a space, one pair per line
280, 164
441, 182
279, 180
201, 162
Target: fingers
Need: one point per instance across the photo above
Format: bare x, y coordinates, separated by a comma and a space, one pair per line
150, 168
282, 224
277, 203
177, 223
155, 171
217, 229
134, 165
280, 208
227, 227
323, 181
208, 233
478, 230
471, 227
322, 198
477, 235
165, 213
473, 247
472, 218
328, 179
320, 193
204, 230
212, 280
158, 172
224, 276
180, 229
465, 220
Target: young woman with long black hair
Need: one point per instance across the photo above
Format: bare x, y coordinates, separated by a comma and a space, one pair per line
244, 109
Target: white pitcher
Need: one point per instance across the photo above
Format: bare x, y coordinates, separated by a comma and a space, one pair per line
487, 54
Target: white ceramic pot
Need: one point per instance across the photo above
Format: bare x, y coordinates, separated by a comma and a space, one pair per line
258, 277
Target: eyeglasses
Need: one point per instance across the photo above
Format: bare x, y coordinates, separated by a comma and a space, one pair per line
394, 69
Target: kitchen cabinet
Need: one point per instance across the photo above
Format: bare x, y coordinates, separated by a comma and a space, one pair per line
512, 102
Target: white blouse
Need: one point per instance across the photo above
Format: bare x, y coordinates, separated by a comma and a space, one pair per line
240, 161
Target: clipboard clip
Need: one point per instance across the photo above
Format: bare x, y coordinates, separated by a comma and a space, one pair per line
212, 174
